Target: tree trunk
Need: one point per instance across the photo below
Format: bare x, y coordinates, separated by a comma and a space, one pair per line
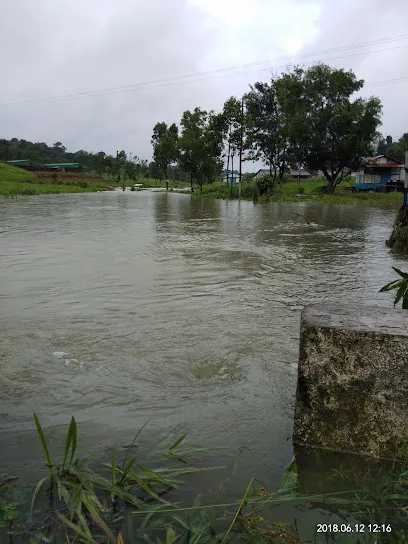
281, 182
228, 161
330, 181
191, 183
167, 181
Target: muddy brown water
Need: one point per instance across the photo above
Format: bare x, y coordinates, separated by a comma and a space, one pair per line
121, 308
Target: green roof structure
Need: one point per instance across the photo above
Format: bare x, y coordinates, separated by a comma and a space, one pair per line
46, 166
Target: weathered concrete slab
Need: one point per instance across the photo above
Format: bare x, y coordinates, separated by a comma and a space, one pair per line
352, 392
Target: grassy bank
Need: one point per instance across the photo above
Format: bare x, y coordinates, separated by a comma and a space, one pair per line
16, 181
311, 192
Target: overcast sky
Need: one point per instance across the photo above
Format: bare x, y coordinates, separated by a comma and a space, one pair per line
50, 48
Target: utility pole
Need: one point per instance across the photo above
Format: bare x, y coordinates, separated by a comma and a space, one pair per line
299, 177
241, 146
228, 157
405, 203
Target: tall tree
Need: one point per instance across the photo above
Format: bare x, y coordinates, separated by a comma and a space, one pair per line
201, 145
332, 131
231, 130
165, 147
268, 129
397, 150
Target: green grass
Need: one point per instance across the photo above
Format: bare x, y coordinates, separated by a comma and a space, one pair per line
16, 181
12, 189
312, 192
13, 174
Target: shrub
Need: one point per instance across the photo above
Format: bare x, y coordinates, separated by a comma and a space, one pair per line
265, 185
29, 191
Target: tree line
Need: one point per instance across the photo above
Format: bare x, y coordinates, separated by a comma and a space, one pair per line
303, 118
395, 149
121, 166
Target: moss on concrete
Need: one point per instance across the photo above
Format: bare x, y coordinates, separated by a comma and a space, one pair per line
352, 393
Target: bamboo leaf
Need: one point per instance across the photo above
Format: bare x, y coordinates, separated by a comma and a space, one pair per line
68, 441
37, 490
403, 274
72, 526
97, 517
177, 442
400, 293
137, 436
43, 442
113, 462
170, 536
392, 285
74, 439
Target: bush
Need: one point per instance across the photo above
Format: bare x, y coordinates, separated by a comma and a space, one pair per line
302, 191
29, 191
266, 185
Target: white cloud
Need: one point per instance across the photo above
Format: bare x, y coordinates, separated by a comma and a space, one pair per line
53, 48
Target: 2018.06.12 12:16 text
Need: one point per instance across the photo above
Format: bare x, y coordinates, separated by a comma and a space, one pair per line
356, 528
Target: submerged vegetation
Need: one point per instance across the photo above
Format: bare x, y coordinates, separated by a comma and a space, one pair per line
127, 500
306, 191
399, 235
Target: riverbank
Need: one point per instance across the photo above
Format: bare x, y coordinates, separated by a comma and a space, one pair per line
306, 191
16, 181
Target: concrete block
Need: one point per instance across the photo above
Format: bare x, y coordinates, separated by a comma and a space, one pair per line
352, 391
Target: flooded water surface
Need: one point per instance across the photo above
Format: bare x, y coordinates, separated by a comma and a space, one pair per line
122, 308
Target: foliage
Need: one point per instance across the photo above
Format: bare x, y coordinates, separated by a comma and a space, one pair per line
100, 162
401, 286
265, 185
8, 509
313, 192
332, 132
268, 129
165, 146
397, 150
200, 144
73, 503
231, 130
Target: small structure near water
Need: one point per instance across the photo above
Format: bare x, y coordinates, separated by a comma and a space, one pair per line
380, 174
352, 391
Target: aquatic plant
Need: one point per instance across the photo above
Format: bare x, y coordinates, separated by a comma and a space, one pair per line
132, 502
401, 286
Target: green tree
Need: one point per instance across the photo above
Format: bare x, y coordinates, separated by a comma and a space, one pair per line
397, 150
231, 130
201, 145
269, 129
154, 171
331, 131
165, 147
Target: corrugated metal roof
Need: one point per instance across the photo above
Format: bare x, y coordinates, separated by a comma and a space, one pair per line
64, 165
388, 165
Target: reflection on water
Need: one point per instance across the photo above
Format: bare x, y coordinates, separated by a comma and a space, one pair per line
122, 308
